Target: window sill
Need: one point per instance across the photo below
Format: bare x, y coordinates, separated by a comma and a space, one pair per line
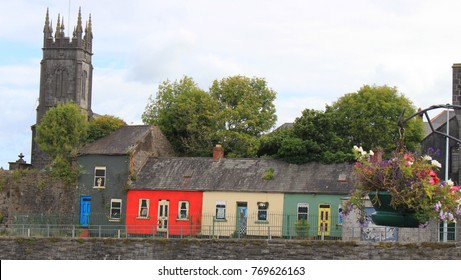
115, 220
261, 222
99, 188
220, 220
143, 218
184, 220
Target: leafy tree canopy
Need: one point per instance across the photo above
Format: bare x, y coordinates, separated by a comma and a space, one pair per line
235, 112
366, 118
104, 125
245, 104
61, 133
245, 111
185, 114
369, 117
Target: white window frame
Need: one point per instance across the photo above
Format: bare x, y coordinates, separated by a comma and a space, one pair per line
180, 204
112, 208
263, 209
220, 212
143, 211
304, 205
100, 181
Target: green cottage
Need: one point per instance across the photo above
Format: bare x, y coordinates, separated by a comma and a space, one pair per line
108, 167
321, 212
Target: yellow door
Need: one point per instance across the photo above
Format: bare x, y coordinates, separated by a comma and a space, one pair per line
324, 219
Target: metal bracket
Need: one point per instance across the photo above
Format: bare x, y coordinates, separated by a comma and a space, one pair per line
420, 113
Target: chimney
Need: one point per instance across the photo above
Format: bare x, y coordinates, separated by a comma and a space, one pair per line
218, 152
456, 95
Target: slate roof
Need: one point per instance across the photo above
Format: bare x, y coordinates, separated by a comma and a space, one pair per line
118, 142
243, 175
438, 121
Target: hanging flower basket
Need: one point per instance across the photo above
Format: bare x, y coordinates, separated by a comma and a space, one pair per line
386, 215
405, 190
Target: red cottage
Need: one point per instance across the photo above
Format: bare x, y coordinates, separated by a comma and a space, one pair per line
151, 211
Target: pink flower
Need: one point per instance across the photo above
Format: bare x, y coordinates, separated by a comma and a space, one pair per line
407, 157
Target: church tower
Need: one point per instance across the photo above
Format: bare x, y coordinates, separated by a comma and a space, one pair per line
66, 73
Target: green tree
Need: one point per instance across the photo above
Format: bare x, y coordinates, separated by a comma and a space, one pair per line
245, 111
366, 118
312, 138
369, 117
61, 133
102, 126
185, 114
270, 143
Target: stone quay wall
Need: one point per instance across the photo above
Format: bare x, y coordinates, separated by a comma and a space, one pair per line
14, 248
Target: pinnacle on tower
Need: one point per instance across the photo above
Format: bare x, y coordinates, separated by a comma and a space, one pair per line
88, 28
57, 35
79, 28
47, 29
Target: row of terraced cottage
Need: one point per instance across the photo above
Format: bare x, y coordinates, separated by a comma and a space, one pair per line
131, 178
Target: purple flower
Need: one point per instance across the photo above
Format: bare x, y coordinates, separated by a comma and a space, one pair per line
349, 207
450, 217
423, 225
442, 215
437, 206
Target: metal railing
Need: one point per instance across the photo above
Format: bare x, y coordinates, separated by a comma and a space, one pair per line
378, 234
174, 232
208, 226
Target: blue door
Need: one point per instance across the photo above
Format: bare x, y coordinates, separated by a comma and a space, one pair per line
85, 208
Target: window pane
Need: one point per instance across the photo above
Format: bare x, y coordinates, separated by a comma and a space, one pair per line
183, 210
115, 209
220, 211
99, 181
262, 215
100, 172
302, 216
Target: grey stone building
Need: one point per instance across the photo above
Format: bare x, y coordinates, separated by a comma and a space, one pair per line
66, 73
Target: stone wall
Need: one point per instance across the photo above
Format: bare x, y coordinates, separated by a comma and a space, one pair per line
351, 231
32, 192
194, 249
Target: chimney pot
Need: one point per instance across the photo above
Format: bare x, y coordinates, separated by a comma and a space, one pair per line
218, 152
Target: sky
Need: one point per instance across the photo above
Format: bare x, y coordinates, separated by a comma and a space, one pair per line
310, 52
